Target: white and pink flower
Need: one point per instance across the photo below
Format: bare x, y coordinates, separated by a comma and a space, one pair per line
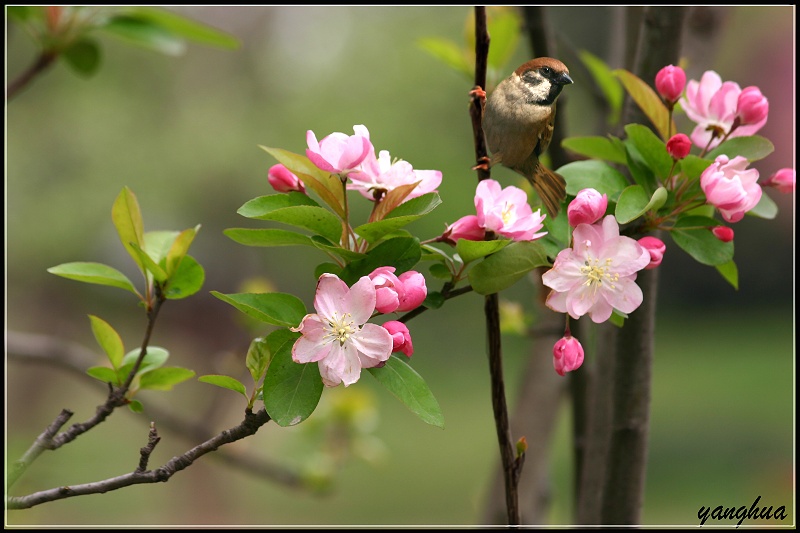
377, 176
339, 153
507, 212
731, 187
598, 274
337, 336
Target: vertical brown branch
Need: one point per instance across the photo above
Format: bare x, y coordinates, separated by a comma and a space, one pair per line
511, 464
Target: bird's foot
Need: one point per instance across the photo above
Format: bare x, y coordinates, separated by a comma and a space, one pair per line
483, 164
479, 92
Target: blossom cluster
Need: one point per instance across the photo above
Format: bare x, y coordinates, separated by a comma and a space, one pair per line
339, 336
353, 157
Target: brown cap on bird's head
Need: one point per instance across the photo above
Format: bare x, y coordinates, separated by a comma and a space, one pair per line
559, 70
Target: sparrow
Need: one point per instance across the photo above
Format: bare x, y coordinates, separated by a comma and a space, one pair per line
518, 120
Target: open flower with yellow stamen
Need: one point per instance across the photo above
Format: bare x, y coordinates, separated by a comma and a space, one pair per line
506, 212
337, 336
597, 275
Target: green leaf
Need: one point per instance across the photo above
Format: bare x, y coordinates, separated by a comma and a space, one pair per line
274, 308
83, 56
225, 382
409, 387
136, 406
291, 390
179, 248
20, 13
165, 378
108, 339
159, 274
187, 28
327, 268
448, 52
158, 243
154, 358
753, 148
401, 252
186, 280
605, 80
104, 374
639, 169
766, 208
258, 357
730, 272
471, 250
693, 235
267, 237
440, 271
127, 218
96, 273
593, 174
402, 215
558, 230
652, 149
596, 148
326, 185
693, 166
327, 246
648, 101
634, 202
501, 270
145, 33
286, 209
434, 300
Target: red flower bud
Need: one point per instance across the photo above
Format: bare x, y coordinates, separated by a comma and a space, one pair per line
679, 146
567, 355
670, 82
723, 233
752, 106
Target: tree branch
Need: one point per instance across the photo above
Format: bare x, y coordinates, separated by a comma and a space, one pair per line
27, 348
41, 64
249, 426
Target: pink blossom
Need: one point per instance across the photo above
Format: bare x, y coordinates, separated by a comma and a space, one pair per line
338, 336
587, 207
731, 187
656, 248
507, 212
466, 227
598, 274
339, 153
394, 293
378, 176
567, 355
713, 105
283, 180
723, 233
670, 82
401, 337
678, 146
752, 107
783, 180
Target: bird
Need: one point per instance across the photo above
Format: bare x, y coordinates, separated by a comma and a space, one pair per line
518, 120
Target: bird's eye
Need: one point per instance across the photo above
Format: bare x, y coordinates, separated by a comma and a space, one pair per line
546, 71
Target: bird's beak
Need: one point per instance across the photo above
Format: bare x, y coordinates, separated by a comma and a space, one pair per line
565, 79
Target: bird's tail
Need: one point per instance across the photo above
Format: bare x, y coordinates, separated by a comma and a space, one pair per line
550, 186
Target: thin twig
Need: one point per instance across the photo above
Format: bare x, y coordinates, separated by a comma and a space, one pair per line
249, 426
27, 348
41, 64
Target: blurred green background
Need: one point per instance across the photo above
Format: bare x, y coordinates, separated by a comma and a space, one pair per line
182, 133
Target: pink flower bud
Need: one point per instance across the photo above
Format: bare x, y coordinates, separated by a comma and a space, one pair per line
670, 82
283, 180
783, 180
587, 207
401, 338
731, 187
752, 107
679, 146
394, 293
464, 228
656, 248
414, 290
567, 355
723, 233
